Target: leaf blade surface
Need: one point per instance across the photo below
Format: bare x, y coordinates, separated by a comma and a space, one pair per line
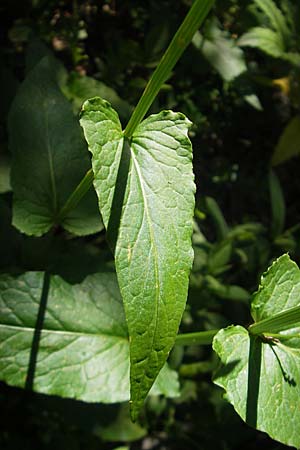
83, 350
49, 157
262, 382
153, 250
261, 376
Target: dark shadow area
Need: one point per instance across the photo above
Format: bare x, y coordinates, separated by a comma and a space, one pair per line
119, 194
37, 333
38, 421
225, 370
254, 367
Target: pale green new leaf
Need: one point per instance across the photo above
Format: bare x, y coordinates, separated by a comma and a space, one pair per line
292, 58
221, 52
83, 348
152, 235
289, 142
262, 377
225, 56
49, 157
276, 18
265, 40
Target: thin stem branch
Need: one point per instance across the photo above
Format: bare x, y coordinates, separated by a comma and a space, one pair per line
279, 322
182, 38
79, 192
180, 41
198, 338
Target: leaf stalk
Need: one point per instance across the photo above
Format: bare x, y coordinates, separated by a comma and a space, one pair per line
180, 41
75, 197
279, 322
197, 338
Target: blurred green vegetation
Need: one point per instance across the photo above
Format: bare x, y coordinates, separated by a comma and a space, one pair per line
243, 98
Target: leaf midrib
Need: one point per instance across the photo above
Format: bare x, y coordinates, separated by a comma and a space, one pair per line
69, 333
50, 160
146, 209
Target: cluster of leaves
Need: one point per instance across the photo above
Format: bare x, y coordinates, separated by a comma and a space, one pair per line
233, 97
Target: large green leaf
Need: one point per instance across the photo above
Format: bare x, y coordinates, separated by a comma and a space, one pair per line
261, 376
49, 158
68, 340
147, 206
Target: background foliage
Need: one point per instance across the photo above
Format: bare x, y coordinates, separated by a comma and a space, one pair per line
243, 100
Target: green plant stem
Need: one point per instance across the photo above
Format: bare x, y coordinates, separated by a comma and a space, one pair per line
279, 322
182, 38
198, 338
79, 192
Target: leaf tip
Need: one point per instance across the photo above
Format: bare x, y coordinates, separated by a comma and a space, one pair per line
135, 409
94, 104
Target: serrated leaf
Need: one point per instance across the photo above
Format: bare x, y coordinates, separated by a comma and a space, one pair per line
262, 382
148, 209
262, 377
279, 289
265, 40
49, 158
83, 348
289, 142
